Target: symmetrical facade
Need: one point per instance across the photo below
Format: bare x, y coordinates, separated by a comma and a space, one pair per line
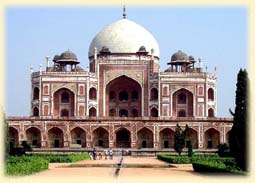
123, 100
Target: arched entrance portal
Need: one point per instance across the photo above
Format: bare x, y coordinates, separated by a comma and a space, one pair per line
124, 93
55, 137
78, 136
101, 138
34, 137
192, 138
13, 137
183, 103
212, 138
167, 138
123, 139
64, 103
145, 138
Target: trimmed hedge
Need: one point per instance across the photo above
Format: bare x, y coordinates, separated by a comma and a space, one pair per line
216, 166
24, 165
204, 163
175, 159
29, 164
63, 158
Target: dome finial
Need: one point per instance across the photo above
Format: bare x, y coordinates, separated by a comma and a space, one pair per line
124, 12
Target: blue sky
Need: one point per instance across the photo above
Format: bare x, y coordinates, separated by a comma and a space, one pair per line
217, 34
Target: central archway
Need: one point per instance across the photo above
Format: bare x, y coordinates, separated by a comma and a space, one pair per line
63, 103
123, 138
123, 93
183, 103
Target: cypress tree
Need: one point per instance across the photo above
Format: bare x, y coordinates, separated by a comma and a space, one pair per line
238, 133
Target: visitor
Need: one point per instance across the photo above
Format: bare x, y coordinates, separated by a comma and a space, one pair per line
99, 155
94, 153
90, 155
122, 152
110, 153
105, 154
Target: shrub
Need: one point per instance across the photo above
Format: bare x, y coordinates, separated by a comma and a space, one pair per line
215, 165
24, 165
29, 164
63, 158
174, 159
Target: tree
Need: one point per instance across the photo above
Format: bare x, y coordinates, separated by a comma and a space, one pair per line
238, 133
179, 138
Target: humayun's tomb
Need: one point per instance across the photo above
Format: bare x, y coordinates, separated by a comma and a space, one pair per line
123, 100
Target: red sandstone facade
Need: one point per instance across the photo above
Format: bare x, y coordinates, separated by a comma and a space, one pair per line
123, 101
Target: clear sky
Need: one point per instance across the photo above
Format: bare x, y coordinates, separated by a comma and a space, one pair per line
216, 34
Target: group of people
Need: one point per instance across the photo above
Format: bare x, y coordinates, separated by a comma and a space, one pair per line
98, 155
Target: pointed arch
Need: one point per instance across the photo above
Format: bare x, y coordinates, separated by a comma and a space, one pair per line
123, 90
92, 112
182, 101
145, 138
100, 137
36, 93
134, 113
55, 138
154, 94
154, 112
13, 136
78, 136
192, 138
92, 93
35, 111
63, 100
210, 94
123, 113
166, 136
33, 135
210, 112
123, 138
212, 138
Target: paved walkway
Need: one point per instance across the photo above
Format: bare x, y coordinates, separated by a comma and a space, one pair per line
88, 171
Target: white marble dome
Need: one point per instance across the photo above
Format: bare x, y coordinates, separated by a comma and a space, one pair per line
124, 36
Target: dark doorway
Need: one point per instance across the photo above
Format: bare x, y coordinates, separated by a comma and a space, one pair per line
56, 143
78, 142
123, 138
209, 144
34, 143
123, 113
166, 144
100, 143
144, 144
